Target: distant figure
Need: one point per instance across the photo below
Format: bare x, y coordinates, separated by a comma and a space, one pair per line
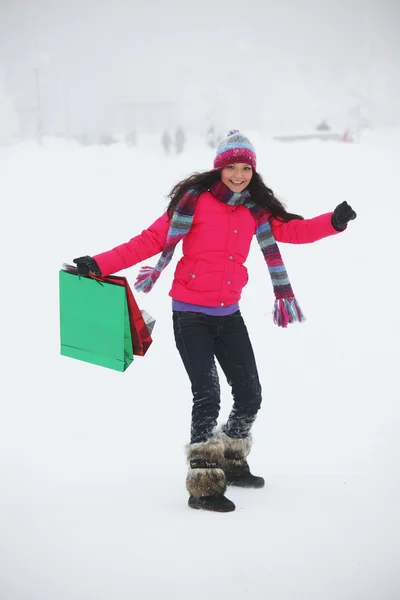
179, 140
107, 140
347, 137
211, 137
166, 142
131, 139
323, 126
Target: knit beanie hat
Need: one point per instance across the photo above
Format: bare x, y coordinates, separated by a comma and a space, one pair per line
235, 148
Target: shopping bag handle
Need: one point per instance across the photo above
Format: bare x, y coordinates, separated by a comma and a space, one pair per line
74, 269
98, 279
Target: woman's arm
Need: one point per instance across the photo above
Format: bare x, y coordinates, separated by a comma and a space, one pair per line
303, 231
149, 243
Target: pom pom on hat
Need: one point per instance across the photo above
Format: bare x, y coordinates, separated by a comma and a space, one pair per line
235, 148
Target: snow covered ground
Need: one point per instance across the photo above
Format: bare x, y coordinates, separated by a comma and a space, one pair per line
93, 503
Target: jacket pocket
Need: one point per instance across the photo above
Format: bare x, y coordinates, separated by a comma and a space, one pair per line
241, 277
186, 271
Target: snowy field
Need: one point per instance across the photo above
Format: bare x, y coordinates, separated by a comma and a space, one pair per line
93, 503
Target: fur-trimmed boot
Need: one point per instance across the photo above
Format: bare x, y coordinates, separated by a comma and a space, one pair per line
236, 469
206, 482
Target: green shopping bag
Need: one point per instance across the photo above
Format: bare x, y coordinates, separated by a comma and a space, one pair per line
94, 322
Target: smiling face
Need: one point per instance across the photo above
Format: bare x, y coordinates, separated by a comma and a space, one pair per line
237, 176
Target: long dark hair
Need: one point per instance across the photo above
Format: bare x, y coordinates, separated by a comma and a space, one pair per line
259, 193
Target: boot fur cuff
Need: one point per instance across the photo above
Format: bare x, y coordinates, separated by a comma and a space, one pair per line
235, 448
206, 482
211, 451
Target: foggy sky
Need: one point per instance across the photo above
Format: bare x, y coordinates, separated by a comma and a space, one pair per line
277, 63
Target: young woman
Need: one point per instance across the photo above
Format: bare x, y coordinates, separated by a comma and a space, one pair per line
216, 215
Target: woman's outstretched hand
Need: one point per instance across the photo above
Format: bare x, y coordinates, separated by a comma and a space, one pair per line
86, 264
342, 214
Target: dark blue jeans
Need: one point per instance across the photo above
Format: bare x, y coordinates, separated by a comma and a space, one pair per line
199, 338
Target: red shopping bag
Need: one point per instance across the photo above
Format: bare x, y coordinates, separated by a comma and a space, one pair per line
141, 338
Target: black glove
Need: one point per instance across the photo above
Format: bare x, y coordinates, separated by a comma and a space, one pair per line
86, 264
342, 214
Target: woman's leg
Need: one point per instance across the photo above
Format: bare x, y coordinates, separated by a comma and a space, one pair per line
236, 357
205, 481
235, 354
194, 337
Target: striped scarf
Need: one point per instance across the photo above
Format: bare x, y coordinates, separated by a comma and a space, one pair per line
286, 309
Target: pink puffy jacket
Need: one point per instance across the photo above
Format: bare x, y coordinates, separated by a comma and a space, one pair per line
211, 271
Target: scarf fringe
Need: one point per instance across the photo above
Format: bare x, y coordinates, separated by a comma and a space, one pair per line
146, 279
287, 311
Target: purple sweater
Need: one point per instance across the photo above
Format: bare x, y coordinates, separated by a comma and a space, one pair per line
213, 311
